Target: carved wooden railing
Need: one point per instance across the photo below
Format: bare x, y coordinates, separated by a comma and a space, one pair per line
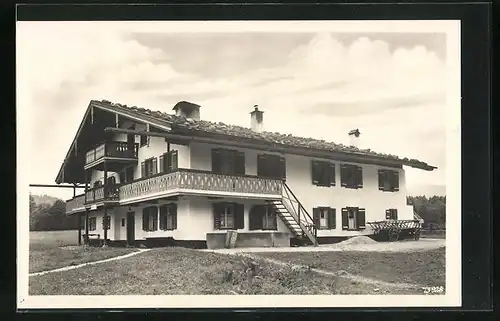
102, 193
75, 203
200, 181
111, 149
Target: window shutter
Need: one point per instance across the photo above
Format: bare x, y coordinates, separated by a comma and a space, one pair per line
343, 175
174, 160
239, 163
216, 164
332, 223
316, 214
154, 211
145, 219
314, 172
216, 213
162, 163
345, 220
358, 172
332, 174
143, 169
388, 214
239, 216
261, 163
282, 167
154, 163
381, 179
394, 214
255, 218
122, 177
395, 181
173, 210
163, 217
361, 218
148, 140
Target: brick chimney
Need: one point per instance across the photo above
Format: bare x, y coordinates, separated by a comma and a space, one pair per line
257, 121
354, 137
187, 110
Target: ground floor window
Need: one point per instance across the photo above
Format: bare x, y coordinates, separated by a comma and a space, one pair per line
92, 223
228, 215
263, 217
325, 218
150, 219
391, 214
353, 218
168, 217
106, 222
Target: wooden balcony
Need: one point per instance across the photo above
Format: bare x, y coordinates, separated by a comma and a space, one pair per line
195, 182
102, 194
114, 153
76, 204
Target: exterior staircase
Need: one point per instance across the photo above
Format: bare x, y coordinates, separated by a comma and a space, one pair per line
418, 217
295, 216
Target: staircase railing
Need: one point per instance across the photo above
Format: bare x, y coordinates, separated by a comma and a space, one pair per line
304, 218
417, 217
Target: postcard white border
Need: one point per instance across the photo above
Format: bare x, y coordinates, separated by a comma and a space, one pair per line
452, 298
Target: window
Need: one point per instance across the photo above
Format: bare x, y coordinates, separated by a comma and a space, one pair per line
388, 180
92, 224
168, 217
269, 219
262, 217
353, 219
271, 166
351, 176
144, 140
228, 162
106, 222
149, 167
323, 173
228, 216
150, 219
169, 162
391, 214
325, 218
123, 222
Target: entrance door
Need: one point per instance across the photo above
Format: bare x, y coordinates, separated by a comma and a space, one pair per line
130, 228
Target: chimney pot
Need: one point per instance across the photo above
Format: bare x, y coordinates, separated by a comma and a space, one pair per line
354, 137
257, 119
187, 110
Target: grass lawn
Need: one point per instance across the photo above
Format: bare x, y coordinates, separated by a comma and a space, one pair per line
52, 250
183, 271
426, 268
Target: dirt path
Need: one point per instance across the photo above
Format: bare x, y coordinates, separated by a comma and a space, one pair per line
72, 267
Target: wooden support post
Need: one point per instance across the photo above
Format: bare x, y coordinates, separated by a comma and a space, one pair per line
79, 228
105, 217
86, 227
74, 190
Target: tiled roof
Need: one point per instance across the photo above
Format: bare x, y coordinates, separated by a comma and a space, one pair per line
288, 140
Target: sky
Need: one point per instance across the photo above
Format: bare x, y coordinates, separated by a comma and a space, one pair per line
392, 86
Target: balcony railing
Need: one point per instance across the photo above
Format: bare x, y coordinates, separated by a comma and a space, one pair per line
112, 149
78, 202
200, 181
102, 193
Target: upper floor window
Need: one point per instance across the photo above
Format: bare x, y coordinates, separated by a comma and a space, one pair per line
149, 167
168, 217
388, 180
169, 161
228, 162
271, 166
144, 140
391, 214
325, 218
228, 215
150, 218
353, 218
351, 176
323, 173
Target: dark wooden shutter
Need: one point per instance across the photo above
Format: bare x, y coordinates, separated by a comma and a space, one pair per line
395, 181
154, 210
345, 219
261, 165
381, 179
174, 160
343, 175
154, 164
315, 172
255, 218
216, 213
316, 215
282, 168
163, 217
143, 169
239, 216
358, 174
216, 161
361, 218
275, 218
239, 163
332, 220
122, 177
332, 174
395, 214
145, 219
173, 210
162, 163
388, 214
